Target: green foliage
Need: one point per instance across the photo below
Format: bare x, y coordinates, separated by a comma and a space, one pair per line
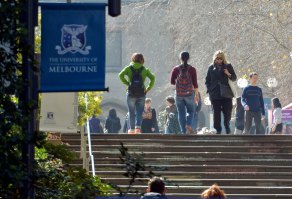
93, 107
13, 114
37, 38
58, 180
51, 177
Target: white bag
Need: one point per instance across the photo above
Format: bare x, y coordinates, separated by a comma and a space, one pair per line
233, 87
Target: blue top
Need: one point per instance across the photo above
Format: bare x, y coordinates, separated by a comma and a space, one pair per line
153, 195
253, 97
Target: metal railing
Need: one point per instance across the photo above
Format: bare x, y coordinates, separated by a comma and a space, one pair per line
90, 159
89, 146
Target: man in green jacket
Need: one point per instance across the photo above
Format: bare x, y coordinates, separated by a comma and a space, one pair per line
133, 76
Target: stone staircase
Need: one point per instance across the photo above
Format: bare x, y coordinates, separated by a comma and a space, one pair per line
245, 167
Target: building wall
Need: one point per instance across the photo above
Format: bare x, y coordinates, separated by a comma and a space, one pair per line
146, 35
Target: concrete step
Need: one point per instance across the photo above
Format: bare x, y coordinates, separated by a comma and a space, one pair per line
245, 167
228, 189
66, 136
197, 161
199, 168
218, 148
203, 175
199, 155
107, 139
206, 182
187, 142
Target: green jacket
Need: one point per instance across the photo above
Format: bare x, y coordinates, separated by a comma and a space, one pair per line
145, 73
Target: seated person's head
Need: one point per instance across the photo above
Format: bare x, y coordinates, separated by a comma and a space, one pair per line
214, 192
156, 185
170, 100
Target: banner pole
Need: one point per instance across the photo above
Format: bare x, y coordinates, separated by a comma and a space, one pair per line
28, 96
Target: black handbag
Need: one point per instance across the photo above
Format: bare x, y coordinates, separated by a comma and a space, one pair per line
225, 91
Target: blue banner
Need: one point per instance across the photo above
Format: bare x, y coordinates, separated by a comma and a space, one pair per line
72, 47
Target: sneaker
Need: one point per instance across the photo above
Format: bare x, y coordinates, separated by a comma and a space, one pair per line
189, 129
137, 131
131, 131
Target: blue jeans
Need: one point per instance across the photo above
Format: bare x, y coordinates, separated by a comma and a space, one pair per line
167, 130
135, 109
185, 105
195, 121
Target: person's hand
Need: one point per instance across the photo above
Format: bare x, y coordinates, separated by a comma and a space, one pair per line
227, 73
196, 99
263, 117
246, 108
152, 129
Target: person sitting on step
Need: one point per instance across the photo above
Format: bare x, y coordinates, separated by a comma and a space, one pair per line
213, 192
156, 189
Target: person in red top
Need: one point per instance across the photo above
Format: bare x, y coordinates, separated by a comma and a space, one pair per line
184, 77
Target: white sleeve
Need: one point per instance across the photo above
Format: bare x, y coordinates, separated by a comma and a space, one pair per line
277, 116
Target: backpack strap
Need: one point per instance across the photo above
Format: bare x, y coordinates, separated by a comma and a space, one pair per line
184, 69
132, 68
139, 70
181, 67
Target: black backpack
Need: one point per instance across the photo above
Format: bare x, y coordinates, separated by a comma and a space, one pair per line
136, 87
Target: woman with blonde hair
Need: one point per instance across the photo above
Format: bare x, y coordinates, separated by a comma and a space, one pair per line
214, 192
220, 93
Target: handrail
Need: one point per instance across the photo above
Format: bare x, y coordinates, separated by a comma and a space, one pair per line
89, 140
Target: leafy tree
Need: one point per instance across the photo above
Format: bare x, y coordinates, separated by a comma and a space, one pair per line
14, 114
56, 179
92, 108
51, 177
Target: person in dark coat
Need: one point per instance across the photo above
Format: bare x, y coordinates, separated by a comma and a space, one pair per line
171, 123
95, 126
149, 120
217, 81
112, 123
156, 189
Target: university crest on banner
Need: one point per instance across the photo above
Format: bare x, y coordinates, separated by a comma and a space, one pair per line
73, 40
